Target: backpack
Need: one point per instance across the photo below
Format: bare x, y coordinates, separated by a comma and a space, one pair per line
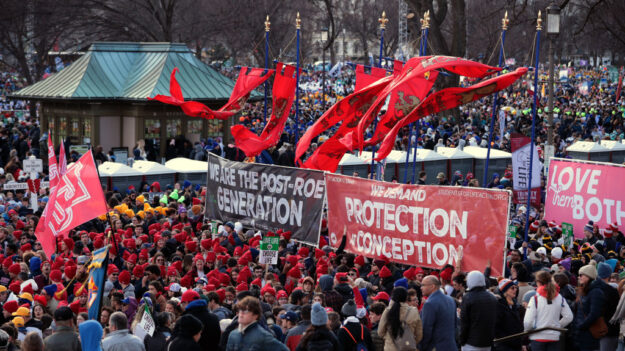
406, 341
360, 345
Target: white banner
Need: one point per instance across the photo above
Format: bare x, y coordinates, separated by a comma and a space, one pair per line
521, 163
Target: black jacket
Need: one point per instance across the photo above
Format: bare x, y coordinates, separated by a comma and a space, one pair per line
508, 322
346, 341
319, 340
611, 302
184, 343
478, 316
158, 341
211, 333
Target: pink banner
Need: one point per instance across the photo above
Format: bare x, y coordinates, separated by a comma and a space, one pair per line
419, 225
579, 192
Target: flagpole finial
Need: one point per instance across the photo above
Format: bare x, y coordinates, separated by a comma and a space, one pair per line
539, 21
505, 21
383, 20
267, 24
425, 21
298, 22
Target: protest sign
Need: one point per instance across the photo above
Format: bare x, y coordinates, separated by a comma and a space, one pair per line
578, 192
567, 234
146, 326
269, 250
423, 225
521, 170
266, 197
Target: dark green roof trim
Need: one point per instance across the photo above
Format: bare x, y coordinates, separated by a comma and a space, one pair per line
131, 72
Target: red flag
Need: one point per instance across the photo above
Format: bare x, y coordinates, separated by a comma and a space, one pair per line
417, 67
364, 79
249, 79
447, 99
53, 172
402, 101
327, 156
283, 94
62, 166
78, 198
398, 66
349, 110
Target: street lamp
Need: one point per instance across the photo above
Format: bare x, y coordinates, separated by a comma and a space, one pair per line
553, 29
324, 39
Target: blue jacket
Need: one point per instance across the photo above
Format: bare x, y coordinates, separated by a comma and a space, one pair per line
587, 312
254, 337
439, 323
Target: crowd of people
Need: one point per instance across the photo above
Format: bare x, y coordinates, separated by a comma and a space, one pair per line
205, 289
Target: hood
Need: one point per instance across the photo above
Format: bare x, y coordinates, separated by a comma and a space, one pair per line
199, 304
542, 291
90, 335
326, 282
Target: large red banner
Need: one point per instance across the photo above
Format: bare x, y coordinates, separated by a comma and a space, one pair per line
78, 198
579, 192
425, 226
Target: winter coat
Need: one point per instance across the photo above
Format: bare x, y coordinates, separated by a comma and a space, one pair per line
611, 302
158, 341
589, 308
508, 323
358, 331
183, 343
295, 334
439, 323
540, 313
211, 331
320, 340
377, 340
253, 337
407, 314
478, 315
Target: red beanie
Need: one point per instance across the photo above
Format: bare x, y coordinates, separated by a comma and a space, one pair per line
15, 268
137, 271
56, 275
385, 272
15, 287
11, 306
359, 260
124, 277
242, 287
206, 244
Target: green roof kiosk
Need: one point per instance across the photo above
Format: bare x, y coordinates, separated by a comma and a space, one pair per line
101, 98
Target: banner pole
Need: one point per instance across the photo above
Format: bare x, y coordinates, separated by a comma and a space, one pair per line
504, 27
298, 24
267, 25
382, 21
411, 130
529, 184
425, 23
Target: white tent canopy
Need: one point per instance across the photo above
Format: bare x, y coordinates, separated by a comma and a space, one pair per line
113, 169
481, 152
151, 168
612, 145
586, 146
185, 165
351, 160
453, 153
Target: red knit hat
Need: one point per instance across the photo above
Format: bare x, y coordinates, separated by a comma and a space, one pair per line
189, 295
410, 274
206, 244
268, 289
124, 277
359, 260
11, 306
15, 268
137, 271
242, 287
385, 272
191, 245
56, 275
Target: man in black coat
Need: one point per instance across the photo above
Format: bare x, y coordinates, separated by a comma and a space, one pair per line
211, 332
478, 313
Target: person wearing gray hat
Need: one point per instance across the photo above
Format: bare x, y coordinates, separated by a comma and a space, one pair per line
318, 336
352, 332
590, 307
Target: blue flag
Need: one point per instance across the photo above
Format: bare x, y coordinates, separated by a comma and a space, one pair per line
95, 282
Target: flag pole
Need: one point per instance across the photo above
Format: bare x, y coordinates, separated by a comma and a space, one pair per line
298, 25
425, 26
267, 25
412, 125
529, 183
504, 27
383, 20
